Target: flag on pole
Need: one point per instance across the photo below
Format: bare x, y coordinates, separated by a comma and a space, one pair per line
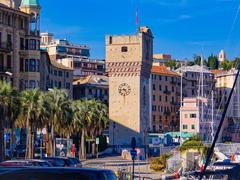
137, 17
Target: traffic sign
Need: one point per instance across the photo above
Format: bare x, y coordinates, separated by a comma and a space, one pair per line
133, 153
133, 143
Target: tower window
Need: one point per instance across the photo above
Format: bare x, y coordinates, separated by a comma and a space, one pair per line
110, 40
124, 49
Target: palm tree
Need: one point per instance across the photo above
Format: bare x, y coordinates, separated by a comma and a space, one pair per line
99, 121
31, 108
81, 120
6, 92
56, 102
13, 113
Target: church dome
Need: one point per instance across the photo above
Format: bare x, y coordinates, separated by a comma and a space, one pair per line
30, 3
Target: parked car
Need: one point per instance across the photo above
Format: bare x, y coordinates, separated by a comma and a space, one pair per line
76, 161
22, 163
59, 161
55, 174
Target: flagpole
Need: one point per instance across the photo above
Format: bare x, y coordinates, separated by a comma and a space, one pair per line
137, 19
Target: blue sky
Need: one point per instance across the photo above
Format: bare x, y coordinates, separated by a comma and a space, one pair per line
180, 27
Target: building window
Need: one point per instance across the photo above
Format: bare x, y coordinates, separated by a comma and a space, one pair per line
193, 115
55, 84
67, 74
90, 91
154, 88
154, 98
32, 44
124, 49
21, 23
60, 73
55, 72
154, 108
166, 78
68, 85
9, 40
160, 77
1, 19
37, 65
26, 44
160, 88
21, 44
26, 65
9, 61
110, 40
166, 98
185, 126
59, 84
172, 89
160, 98
32, 84
154, 118
32, 65
21, 64
193, 126
9, 20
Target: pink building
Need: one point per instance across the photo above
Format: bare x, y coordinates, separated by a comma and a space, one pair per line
196, 115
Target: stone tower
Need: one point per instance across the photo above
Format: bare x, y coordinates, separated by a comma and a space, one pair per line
221, 56
129, 61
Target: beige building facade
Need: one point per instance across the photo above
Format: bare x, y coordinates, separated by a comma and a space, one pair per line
165, 100
91, 87
55, 75
20, 43
129, 61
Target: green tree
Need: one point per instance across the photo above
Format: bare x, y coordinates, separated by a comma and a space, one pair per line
226, 65
213, 62
172, 64
55, 101
6, 99
236, 62
197, 59
190, 63
99, 121
31, 104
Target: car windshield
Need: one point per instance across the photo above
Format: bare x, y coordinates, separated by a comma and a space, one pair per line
56, 162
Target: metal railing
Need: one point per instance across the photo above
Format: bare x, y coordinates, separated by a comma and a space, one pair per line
4, 69
6, 47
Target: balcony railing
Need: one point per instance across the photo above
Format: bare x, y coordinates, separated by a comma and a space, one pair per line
6, 47
167, 92
166, 112
4, 69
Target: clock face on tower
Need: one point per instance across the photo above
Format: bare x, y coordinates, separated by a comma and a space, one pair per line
124, 89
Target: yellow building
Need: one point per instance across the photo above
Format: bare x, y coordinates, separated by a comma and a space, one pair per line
129, 61
20, 43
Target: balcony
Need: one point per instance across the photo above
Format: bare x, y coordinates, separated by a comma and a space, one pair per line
167, 112
167, 92
174, 82
6, 47
4, 69
35, 33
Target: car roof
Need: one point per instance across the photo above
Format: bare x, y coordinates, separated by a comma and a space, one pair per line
55, 169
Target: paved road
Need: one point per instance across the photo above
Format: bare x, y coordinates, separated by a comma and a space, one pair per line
115, 163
